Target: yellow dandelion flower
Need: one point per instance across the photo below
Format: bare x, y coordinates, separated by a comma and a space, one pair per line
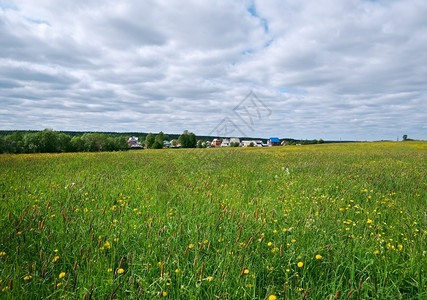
177, 271
293, 240
28, 277
284, 229
120, 271
2, 253
300, 264
369, 221
318, 256
209, 278
272, 297
400, 247
5, 288
58, 284
55, 259
61, 275
376, 252
246, 271
249, 285
107, 245
269, 244
109, 270
164, 294
190, 246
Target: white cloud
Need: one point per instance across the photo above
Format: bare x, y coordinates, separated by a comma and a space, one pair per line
326, 69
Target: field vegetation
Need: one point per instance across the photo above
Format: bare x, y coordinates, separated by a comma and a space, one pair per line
330, 221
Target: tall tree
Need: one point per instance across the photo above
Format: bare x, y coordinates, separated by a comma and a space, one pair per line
149, 140
187, 139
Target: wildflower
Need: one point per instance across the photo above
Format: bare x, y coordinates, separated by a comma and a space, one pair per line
269, 244
318, 256
190, 246
400, 247
2, 253
116, 239
58, 284
28, 277
159, 263
120, 271
109, 270
209, 278
177, 271
55, 259
376, 252
272, 297
249, 285
61, 275
369, 221
293, 240
164, 294
300, 264
107, 245
246, 271
284, 230
5, 288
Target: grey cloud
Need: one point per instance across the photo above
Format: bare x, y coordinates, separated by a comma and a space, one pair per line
346, 69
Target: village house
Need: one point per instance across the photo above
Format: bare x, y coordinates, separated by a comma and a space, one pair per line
274, 141
252, 143
235, 140
225, 143
216, 143
134, 143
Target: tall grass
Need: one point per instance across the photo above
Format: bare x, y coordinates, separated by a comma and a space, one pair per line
313, 222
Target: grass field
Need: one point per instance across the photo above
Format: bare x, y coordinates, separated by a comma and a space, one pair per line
331, 221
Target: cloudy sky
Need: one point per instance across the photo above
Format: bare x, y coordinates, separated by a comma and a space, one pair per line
331, 69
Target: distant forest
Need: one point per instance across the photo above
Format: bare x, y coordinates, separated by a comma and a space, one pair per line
50, 141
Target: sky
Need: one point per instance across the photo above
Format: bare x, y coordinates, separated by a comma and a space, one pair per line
330, 69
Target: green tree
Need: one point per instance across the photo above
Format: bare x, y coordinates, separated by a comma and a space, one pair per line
64, 142
13, 143
1, 144
48, 141
157, 145
94, 141
405, 137
77, 144
160, 138
121, 143
31, 143
149, 140
183, 139
187, 139
192, 140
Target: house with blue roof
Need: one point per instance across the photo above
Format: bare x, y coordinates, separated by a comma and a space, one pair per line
274, 141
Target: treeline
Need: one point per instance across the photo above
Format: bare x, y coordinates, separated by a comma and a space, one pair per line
49, 141
161, 140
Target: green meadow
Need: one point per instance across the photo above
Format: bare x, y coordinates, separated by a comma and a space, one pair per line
330, 221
